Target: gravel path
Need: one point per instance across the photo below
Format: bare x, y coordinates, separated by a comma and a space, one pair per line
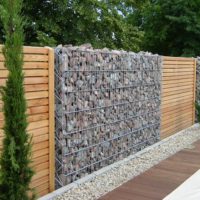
107, 179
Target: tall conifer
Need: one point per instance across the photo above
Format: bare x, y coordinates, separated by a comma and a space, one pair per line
15, 170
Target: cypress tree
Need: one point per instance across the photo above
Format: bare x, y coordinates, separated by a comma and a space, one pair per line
15, 170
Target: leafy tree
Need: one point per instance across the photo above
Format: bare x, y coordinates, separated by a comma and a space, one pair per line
102, 23
171, 27
15, 172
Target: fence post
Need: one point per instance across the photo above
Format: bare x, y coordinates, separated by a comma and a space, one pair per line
51, 121
195, 70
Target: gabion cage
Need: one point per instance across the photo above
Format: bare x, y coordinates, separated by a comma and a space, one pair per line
107, 107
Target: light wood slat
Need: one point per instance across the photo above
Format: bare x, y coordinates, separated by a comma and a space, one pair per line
177, 81
38, 182
42, 187
27, 73
39, 131
170, 109
29, 65
179, 74
36, 125
41, 145
37, 110
176, 96
40, 138
183, 120
178, 59
170, 93
175, 117
179, 99
178, 70
182, 66
35, 80
175, 84
36, 87
39, 153
31, 50
171, 62
43, 192
177, 124
29, 80
41, 166
30, 58
176, 103
40, 174
37, 102
165, 90
39, 160
167, 78
37, 95
38, 117
174, 129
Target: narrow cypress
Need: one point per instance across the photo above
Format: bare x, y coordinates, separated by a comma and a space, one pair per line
15, 170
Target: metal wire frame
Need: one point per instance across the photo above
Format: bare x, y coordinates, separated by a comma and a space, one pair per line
111, 123
113, 105
134, 146
60, 127
114, 88
111, 70
112, 139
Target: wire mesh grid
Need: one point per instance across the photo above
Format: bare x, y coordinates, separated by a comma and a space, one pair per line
107, 107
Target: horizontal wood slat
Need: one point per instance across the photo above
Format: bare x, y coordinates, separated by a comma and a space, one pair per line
178, 59
29, 80
31, 50
177, 102
27, 73
168, 78
29, 65
38, 68
30, 58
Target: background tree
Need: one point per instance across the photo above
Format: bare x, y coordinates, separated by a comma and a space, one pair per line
171, 27
15, 173
102, 23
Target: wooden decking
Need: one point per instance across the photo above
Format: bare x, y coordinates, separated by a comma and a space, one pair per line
162, 179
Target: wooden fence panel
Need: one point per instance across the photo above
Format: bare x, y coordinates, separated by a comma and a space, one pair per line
39, 87
178, 94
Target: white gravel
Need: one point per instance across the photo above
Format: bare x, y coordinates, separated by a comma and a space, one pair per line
107, 179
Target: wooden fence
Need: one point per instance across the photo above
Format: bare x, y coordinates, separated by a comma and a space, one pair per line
39, 87
178, 94
177, 105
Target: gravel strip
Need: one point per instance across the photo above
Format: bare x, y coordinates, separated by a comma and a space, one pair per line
122, 171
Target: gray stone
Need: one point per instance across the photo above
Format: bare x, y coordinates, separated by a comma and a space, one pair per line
110, 101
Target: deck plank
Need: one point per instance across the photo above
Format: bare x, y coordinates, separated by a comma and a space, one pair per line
160, 180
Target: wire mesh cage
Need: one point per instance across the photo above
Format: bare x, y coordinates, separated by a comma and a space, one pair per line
107, 107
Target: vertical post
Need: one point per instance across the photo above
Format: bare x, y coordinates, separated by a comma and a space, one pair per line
51, 122
194, 95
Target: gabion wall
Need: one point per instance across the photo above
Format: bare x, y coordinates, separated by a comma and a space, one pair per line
107, 107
